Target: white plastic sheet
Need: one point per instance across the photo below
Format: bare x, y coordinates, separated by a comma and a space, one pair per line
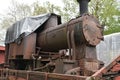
109, 49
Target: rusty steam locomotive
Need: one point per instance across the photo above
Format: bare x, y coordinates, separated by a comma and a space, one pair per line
42, 43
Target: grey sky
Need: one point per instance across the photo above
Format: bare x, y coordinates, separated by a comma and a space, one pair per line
4, 4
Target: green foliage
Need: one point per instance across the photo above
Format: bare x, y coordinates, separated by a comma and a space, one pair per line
70, 9
46, 8
38, 9
105, 10
107, 13
51, 8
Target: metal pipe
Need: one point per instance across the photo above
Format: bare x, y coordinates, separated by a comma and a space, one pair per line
83, 6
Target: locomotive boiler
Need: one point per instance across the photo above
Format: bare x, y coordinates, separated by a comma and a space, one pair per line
42, 43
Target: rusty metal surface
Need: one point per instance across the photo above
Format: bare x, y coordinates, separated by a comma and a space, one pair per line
89, 66
29, 46
75, 35
36, 48
111, 71
33, 75
24, 49
53, 21
55, 38
92, 30
52, 39
79, 35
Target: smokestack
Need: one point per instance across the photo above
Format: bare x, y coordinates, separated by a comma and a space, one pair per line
83, 6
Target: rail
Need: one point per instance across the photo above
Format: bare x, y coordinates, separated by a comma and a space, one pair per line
9, 74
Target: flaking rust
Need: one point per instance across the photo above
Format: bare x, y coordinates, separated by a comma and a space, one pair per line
54, 51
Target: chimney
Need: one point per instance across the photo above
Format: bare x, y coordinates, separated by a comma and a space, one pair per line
83, 6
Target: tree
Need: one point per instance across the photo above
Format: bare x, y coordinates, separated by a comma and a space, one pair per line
46, 8
70, 9
51, 8
6, 22
16, 12
107, 13
105, 10
37, 9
